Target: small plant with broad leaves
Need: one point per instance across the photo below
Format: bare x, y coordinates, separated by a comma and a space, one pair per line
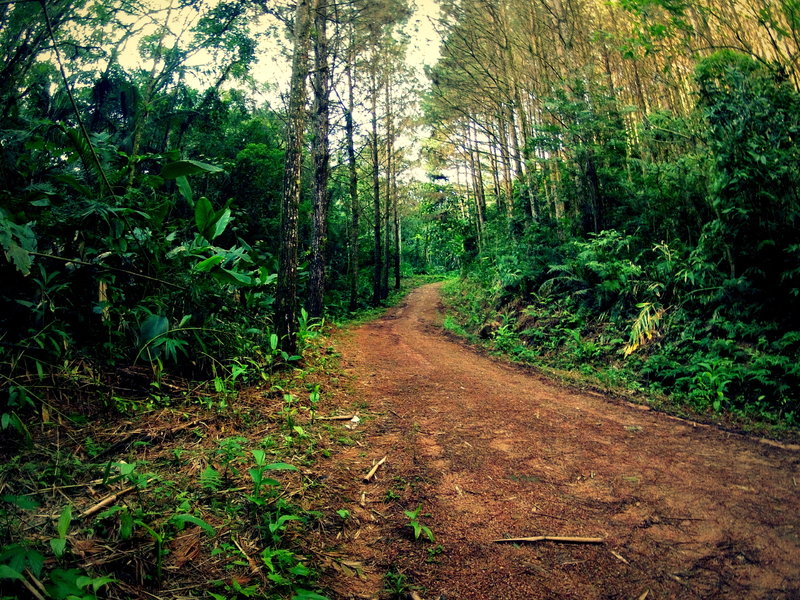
418, 528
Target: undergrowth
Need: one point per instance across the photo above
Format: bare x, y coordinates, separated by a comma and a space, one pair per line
602, 318
135, 484
202, 489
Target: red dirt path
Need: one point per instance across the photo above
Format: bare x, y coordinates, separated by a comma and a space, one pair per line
490, 451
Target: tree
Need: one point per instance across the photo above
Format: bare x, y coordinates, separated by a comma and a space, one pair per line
286, 298
321, 157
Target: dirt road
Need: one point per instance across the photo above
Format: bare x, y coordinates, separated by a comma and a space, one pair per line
490, 450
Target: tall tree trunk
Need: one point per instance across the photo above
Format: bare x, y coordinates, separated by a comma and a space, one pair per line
387, 208
376, 191
477, 170
397, 247
505, 155
321, 155
353, 176
494, 165
286, 297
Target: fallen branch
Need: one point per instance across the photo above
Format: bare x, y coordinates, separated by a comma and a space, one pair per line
619, 557
37, 589
34, 592
336, 418
552, 538
254, 568
105, 502
368, 477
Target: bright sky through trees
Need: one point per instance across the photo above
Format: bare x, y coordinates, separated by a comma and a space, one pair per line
271, 72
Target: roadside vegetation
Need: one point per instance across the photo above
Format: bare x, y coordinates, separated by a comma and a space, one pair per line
705, 315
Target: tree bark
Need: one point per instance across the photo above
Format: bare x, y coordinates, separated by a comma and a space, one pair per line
353, 175
397, 246
286, 297
376, 192
387, 208
321, 154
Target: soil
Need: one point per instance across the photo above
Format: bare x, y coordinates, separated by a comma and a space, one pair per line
490, 450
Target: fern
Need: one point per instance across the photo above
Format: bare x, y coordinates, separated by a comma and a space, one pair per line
210, 479
645, 326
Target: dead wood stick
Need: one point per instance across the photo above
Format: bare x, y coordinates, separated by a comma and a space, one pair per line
336, 418
553, 538
619, 557
368, 477
105, 502
34, 592
36, 583
254, 569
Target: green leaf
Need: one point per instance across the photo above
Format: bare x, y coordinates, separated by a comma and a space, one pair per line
23, 502
17, 241
204, 217
153, 327
59, 546
126, 525
182, 168
64, 521
35, 561
211, 223
300, 570
65, 583
181, 520
185, 189
428, 533
279, 579
7, 572
279, 524
223, 219
209, 263
257, 475
236, 277
417, 529
210, 479
301, 594
279, 466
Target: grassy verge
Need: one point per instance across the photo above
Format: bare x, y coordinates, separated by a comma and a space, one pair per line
129, 487
564, 347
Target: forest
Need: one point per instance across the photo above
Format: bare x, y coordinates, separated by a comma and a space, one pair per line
197, 196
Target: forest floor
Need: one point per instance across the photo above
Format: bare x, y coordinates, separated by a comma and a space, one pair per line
491, 450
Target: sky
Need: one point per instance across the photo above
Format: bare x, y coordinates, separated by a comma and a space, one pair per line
424, 48
272, 68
